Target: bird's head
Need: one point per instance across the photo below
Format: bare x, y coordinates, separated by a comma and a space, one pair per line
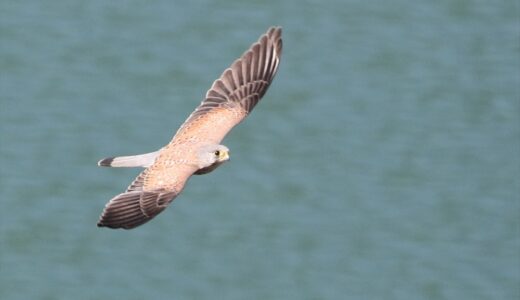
211, 156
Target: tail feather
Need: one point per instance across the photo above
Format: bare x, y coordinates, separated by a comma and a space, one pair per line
141, 160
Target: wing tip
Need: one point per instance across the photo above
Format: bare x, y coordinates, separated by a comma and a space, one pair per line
114, 224
276, 29
100, 224
274, 32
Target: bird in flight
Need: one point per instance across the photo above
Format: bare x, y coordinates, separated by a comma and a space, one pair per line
195, 149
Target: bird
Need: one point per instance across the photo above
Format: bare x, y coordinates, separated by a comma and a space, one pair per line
196, 147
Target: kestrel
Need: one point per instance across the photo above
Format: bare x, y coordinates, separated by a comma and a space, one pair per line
195, 148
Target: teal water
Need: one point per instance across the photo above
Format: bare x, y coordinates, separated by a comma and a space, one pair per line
382, 164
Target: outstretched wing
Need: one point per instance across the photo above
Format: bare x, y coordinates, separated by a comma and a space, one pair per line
148, 195
134, 208
234, 95
230, 99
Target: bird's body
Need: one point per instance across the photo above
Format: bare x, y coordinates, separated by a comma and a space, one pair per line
195, 149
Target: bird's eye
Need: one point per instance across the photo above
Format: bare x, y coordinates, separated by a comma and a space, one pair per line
217, 152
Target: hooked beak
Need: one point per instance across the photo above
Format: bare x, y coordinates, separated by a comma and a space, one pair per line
224, 156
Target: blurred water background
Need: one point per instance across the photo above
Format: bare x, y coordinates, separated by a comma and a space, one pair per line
383, 163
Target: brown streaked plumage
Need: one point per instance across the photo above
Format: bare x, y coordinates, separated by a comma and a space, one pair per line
195, 148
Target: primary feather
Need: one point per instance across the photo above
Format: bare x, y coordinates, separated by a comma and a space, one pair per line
229, 100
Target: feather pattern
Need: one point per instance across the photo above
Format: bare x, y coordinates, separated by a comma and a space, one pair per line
131, 209
240, 87
229, 100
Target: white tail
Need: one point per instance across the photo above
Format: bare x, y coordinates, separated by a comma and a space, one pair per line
141, 160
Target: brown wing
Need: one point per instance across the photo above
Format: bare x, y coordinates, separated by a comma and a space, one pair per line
131, 209
148, 195
137, 184
232, 97
228, 102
